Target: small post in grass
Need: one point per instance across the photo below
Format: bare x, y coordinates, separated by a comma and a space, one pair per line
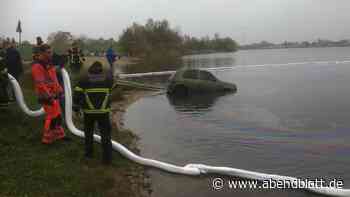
19, 31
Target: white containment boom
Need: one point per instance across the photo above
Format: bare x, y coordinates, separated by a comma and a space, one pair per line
20, 100
190, 169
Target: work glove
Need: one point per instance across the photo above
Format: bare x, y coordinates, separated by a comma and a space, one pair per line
61, 96
45, 99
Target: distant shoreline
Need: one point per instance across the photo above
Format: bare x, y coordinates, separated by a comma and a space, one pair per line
294, 47
314, 47
250, 49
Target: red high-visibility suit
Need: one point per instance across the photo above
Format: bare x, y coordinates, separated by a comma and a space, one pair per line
48, 90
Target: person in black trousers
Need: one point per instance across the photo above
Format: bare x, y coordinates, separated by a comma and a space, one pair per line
59, 62
13, 61
92, 96
4, 80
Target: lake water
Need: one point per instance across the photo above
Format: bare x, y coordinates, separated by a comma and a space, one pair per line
290, 119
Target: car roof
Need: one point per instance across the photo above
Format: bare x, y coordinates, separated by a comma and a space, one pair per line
182, 72
192, 69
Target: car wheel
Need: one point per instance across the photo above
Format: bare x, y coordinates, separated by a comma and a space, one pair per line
180, 90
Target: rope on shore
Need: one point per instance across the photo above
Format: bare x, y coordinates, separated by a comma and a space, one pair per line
122, 76
190, 169
120, 82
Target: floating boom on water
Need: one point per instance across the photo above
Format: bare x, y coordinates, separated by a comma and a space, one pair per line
224, 68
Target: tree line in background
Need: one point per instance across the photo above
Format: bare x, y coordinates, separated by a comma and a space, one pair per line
61, 41
303, 44
154, 41
193, 45
157, 38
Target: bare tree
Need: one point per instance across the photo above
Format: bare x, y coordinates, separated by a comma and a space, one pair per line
60, 41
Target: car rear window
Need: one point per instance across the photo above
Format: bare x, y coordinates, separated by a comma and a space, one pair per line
190, 74
207, 76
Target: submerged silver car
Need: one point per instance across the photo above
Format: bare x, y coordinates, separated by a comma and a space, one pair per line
185, 82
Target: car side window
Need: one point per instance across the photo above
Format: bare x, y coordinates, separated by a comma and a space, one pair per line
207, 76
190, 74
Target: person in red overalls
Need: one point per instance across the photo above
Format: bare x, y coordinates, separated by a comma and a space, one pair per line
48, 91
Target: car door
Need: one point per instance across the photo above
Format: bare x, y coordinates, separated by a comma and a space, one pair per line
208, 82
190, 79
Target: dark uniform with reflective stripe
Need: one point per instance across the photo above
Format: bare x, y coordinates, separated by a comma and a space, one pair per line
76, 58
92, 95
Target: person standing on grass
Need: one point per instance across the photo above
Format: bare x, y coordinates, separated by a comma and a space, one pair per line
92, 95
75, 57
59, 61
48, 91
75, 61
111, 57
35, 49
4, 80
13, 61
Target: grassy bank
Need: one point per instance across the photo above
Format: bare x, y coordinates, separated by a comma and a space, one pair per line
31, 169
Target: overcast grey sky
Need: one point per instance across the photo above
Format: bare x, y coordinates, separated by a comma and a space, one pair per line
244, 20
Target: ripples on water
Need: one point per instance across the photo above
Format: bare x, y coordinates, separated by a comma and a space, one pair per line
289, 120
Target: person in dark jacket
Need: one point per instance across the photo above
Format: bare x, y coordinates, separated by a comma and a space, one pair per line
39, 41
92, 95
59, 61
111, 57
75, 57
36, 48
13, 61
4, 81
76, 60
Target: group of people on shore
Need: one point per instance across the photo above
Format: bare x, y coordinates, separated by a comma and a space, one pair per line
91, 93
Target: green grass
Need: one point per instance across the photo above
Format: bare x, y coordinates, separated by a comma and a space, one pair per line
29, 168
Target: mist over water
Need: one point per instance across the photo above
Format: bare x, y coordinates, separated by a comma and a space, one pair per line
290, 120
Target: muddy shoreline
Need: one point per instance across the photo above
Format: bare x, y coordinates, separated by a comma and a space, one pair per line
137, 181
